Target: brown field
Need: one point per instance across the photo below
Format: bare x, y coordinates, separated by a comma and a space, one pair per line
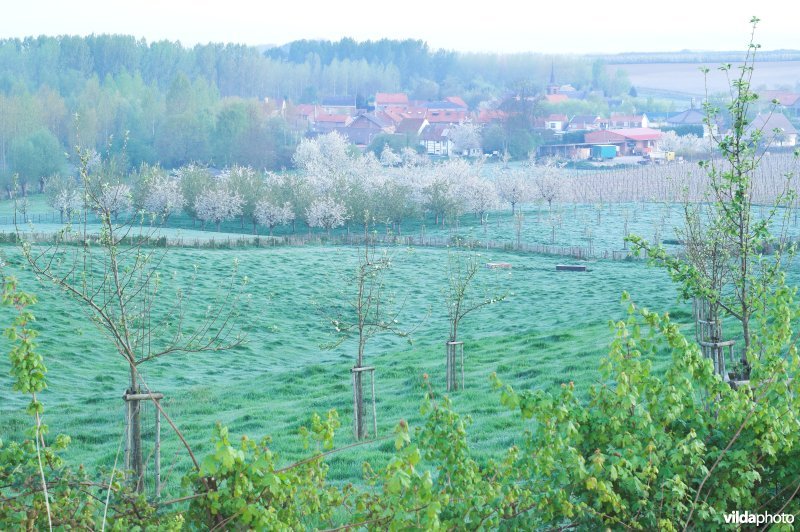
687, 78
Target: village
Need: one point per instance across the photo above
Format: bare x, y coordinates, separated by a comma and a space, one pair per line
449, 128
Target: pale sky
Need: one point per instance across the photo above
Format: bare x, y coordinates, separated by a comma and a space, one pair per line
549, 26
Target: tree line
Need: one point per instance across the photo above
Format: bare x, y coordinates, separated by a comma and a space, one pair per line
215, 104
333, 187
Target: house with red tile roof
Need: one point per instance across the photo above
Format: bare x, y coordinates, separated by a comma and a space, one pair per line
384, 100
411, 126
584, 123
324, 122
435, 140
622, 121
375, 121
631, 141
445, 112
556, 122
790, 101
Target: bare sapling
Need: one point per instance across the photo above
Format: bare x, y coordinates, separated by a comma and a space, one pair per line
111, 268
463, 266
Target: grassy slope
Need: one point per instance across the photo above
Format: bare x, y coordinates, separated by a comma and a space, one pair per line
553, 328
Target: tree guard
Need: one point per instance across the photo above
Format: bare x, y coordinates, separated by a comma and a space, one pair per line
708, 333
134, 402
358, 402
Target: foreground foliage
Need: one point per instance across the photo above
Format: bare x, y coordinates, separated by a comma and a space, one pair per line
643, 451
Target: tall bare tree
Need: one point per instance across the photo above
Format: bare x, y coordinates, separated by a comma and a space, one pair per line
112, 270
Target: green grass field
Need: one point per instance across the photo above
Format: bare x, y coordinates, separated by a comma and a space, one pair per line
552, 328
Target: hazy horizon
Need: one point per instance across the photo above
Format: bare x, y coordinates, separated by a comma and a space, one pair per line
585, 28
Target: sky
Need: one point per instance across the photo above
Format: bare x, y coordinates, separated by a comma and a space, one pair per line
547, 26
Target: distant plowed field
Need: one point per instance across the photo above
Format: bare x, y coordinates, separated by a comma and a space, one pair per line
686, 77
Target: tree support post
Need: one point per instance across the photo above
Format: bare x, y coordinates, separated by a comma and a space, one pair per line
358, 402
133, 440
454, 358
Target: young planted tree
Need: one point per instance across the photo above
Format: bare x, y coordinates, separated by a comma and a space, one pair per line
112, 271
461, 300
366, 311
725, 238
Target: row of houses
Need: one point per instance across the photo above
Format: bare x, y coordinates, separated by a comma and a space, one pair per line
776, 132
430, 122
425, 122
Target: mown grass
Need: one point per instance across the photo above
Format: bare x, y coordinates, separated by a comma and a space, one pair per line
552, 328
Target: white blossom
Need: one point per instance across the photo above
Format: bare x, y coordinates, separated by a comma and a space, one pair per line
164, 197
271, 215
389, 157
465, 136
478, 195
326, 213
63, 195
218, 204
514, 188
114, 199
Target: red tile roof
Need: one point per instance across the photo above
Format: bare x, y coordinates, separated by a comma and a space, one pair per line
446, 116
410, 125
620, 135
785, 98
341, 119
391, 98
457, 100
556, 98
304, 109
491, 115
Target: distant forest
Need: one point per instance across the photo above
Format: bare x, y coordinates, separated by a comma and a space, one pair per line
169, 104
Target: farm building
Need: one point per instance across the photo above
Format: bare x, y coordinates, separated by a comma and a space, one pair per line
631, 141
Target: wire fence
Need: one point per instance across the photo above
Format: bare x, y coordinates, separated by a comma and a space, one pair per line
233, 242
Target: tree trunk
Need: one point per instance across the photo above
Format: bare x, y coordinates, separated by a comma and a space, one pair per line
358, 406
135, 436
